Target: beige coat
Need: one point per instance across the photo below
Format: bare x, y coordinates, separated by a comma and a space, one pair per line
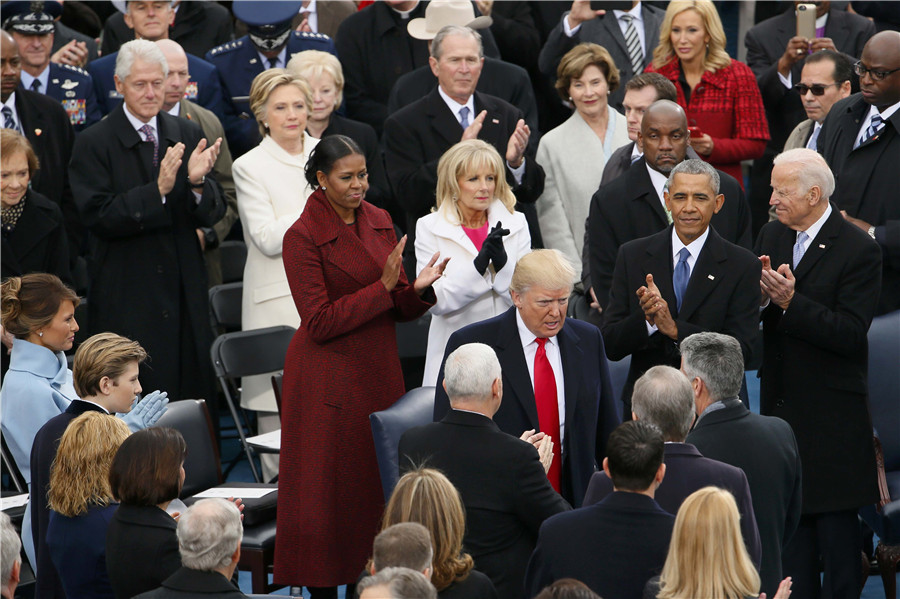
271, 192
573, 159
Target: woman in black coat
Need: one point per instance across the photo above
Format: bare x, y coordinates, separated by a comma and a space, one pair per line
33, 234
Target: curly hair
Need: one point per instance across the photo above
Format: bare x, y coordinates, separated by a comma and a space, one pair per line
79, 475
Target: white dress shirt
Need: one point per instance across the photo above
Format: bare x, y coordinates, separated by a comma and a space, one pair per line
551, 347
885, 115
623, 26
11, 103
312, 15
694, 247
814, 229
659, 181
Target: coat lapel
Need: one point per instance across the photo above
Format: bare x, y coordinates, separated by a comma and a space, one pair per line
572, 358
820, 244
131, 140
708, 270
515, 370
658, 262
443, 121
643, 190
612, 26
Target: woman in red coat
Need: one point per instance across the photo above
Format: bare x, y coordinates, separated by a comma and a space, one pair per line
344, 266
719, 95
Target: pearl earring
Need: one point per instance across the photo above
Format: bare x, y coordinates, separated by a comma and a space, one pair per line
324, 188
266, 125
40, 333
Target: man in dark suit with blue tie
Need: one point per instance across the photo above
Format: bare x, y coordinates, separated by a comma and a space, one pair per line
820, 283
683, 280
617, 545
664, 398
555, 374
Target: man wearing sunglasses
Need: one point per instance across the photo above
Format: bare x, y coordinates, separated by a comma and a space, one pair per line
860, 140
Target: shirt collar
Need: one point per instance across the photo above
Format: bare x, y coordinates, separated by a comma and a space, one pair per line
885, 114
814, 228
94, 403
43, 77
311, 8
658, 179
282, 57
526, 336
693, 247
455, 106
138, 123
176, 109
821, 21
11, 102
634, 12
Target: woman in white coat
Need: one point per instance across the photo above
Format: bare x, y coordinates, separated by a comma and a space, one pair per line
573, 155
474, 223
271, 192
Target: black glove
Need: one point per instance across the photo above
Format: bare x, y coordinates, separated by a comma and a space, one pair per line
492, 250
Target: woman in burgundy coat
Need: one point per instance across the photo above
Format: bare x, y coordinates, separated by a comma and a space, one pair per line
344, 266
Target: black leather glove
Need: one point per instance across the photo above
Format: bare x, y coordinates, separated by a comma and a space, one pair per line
492, 250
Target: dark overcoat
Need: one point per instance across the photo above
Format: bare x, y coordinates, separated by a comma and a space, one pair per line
341, 366
148, 278
38, 243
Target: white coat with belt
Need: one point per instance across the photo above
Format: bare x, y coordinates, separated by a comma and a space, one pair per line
463, 295
271, 193
573, 158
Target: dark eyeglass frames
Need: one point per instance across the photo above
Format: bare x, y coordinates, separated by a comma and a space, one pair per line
816, 88
861, 70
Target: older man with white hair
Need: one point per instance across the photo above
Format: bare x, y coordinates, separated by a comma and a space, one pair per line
501, 479
820, 283
142, 183
209, 541
10, 562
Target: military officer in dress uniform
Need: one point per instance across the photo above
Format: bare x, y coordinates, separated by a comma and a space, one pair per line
270, 42
32, 28
204, 87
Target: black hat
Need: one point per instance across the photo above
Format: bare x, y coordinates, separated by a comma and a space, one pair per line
268, 23
31, 18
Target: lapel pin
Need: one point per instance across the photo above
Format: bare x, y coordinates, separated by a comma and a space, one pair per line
822, 246
38, 132
711, 278
495, 121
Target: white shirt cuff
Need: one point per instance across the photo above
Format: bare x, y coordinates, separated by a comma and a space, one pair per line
197, 196
517, 173
569, 31
786, 81
651, 328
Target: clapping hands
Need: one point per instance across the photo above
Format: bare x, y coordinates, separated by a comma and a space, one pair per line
492, 250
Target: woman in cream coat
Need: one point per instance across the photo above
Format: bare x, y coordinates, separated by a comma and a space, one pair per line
271, 192
573, 155
473, 198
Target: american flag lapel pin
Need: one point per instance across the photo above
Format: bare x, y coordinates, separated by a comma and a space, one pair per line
711, 278
495, 121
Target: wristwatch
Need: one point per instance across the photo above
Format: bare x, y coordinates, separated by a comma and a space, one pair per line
200, 184
871, 232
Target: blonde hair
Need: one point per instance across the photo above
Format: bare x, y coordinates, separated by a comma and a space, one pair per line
545, 268
578, 59
428, 497
104, 354
32, 301
716, 56
707, 556
79, 476
267, 82
313, 63
464, 159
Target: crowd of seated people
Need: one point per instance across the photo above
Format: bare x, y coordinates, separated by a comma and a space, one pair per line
407, 160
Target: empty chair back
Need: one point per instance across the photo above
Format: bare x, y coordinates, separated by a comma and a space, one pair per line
233, 255
225, 305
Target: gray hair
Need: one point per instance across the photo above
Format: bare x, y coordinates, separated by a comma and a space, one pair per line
405, 544
695, 166
663, 397
139, 49
459, 30
716, 359
470, 371
208, 534
549, 269
402, 583
10, 547
810, 170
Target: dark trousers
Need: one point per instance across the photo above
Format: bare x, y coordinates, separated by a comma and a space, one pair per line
829, 542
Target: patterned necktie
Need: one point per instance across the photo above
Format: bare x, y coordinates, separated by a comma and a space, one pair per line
799, 248
874, 127
148, 131
547, 407
464, 117
9, 122
681, 276
634, 44
36, 85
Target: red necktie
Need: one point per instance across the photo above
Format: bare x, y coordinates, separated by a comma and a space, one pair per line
547, 407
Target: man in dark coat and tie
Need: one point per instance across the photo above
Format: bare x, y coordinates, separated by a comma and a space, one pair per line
617, 545
820, 283
140, 179
683, 280
502, 479
860, 140
763, 447
663, 397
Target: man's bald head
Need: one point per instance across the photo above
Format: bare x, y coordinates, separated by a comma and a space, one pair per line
10, 66
881, 53
664, 135
179, 76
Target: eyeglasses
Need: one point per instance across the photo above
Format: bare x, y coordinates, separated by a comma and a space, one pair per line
861, 70
816, 88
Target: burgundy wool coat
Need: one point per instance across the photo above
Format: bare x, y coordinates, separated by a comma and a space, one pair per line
341, 365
